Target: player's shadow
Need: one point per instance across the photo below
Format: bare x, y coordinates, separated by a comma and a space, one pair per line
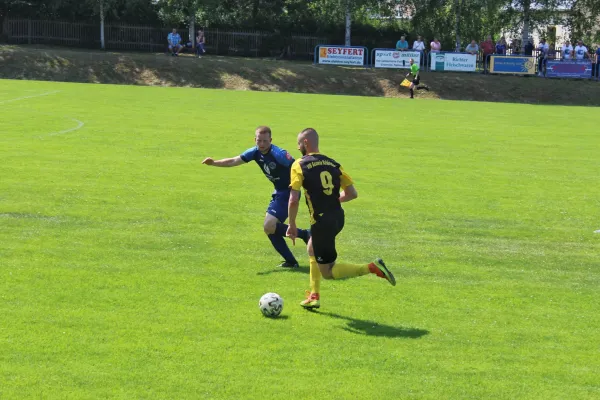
301, 270
371, 328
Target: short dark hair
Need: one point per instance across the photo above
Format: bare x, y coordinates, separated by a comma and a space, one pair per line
261, 130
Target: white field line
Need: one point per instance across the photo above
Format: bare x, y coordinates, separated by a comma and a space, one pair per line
80, 125
29, 97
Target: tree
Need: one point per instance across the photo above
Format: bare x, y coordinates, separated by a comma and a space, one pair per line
583, 20
526, 15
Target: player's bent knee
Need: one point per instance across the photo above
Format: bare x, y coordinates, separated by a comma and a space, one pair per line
326, 271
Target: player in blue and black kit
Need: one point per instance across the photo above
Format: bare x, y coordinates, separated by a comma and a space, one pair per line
276, 164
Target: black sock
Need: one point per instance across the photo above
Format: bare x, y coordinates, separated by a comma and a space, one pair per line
412, 93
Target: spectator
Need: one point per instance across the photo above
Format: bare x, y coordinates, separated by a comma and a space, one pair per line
581, 51
487, 48
402, 44
472, 48
200, 42
501, 46
516, 46
174, 43
528, 49
543, 56
567, 51
597, 61
436, 46
418, 44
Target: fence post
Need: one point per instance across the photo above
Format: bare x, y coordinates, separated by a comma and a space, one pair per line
28, 31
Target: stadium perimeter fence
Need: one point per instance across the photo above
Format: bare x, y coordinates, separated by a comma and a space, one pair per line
252, 43
260, 43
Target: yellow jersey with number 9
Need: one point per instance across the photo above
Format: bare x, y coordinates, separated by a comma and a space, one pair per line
322, 179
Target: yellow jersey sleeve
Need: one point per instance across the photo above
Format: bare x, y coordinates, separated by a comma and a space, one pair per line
297, 178
345, 179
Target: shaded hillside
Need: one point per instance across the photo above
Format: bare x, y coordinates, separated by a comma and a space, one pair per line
59, 64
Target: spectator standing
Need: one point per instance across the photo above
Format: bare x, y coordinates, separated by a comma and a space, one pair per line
200, 42
598, 61
544, 49
581, 51
516, 46
174, 43
567, 51
472, 48
436, 46
501, 46
402, 44
487, 48
528, 49
418, 44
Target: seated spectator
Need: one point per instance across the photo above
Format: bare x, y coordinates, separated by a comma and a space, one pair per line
581, 51
567, 51
472, 47
544, 49
200, 42
487, 48
174, 40
528, 49
402, 44
436, 46
501, 46
418, 44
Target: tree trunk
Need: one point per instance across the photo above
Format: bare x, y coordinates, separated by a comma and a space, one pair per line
457, 23
102, 44
348, 23
192, 28
526, 22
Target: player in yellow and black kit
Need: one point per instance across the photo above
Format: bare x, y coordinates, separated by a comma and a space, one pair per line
322, 179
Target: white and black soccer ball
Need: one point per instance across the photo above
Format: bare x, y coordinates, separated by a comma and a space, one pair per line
271, 305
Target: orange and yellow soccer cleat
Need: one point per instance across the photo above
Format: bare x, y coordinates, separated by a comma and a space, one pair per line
312, 301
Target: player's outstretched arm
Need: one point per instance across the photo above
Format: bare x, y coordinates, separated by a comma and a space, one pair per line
348, 194
225, 162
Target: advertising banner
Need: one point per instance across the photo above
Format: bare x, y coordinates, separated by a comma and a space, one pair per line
515, 65
569, 69
385, 58
453, 62
342, 55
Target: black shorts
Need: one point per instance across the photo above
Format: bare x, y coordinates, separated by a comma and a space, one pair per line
416, 81
323, 232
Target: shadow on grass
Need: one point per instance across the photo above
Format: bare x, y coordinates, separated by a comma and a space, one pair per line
371, 328
302, 270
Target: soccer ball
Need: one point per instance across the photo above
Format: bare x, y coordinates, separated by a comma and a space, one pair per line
271, 305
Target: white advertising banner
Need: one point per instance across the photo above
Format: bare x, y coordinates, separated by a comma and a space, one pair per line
453, 62
396, 59
340, 55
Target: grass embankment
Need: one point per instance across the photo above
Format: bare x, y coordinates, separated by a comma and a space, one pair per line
68, 65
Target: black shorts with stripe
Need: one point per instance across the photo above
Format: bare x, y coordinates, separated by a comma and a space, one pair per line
323, 231
416, 80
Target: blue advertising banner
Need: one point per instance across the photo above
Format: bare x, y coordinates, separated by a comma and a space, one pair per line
569, 69
515, 65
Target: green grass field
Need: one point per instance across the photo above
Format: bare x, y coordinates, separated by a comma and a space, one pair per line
129, 270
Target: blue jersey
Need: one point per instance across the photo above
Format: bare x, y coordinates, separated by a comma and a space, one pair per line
276, 165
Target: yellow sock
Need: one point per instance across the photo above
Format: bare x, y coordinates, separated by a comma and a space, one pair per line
315, 276
344, 270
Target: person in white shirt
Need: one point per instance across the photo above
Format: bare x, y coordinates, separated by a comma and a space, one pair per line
418, 44
567, 51
581, 51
